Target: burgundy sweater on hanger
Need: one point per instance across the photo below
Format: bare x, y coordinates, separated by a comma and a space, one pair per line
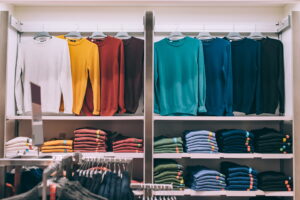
112, 72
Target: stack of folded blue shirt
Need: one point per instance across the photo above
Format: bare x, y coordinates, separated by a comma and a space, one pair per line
235, 141
201, 142
203, 179
240, 178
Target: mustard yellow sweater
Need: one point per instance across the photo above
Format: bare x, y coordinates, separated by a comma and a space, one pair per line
84, 58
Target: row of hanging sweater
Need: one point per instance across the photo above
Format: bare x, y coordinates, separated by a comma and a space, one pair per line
82, 76
218, 76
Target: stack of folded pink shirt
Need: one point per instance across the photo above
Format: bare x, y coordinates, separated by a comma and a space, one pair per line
90, 140
128, 145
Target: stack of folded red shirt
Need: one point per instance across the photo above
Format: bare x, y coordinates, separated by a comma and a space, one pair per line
90, 140
128, 145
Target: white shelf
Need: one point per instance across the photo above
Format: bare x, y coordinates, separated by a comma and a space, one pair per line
104, 155
222, 155
190, 192
83, 118
222, 118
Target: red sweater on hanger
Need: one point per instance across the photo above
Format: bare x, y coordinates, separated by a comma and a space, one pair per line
111, 52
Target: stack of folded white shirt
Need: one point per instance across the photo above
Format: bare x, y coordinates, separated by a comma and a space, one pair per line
20, 146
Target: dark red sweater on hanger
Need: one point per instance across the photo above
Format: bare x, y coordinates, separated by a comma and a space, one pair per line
112, 72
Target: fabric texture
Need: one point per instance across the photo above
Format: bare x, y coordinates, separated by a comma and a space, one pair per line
84, 57
179, 77
40, 61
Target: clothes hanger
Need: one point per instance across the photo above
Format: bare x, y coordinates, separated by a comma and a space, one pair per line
98, 34
74, 34
42, 36
256, 35
204, 35
175, 36
234, 35
122, 35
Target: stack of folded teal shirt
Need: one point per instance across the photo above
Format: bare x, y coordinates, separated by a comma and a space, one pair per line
169, 172
164, 144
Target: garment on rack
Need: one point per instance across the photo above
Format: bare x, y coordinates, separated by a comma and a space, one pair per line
20, 146
274, 181
200, 142
272, 76
111, 53
84, 57
164, 144
218, 72
235, 141
179, 77
246, 75
89, 139
269, 140
172, 173
104, 182
57, 146
134, 72
200, 178
238, 177
46, 64
68, 190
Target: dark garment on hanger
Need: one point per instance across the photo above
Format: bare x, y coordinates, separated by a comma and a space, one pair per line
218, 71
272, 76
134, 72
246, 75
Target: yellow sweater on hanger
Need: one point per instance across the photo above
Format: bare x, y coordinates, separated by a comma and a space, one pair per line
84, 58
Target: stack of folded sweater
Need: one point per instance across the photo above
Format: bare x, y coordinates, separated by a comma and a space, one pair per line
203, 179
201, 142
57, 146
90, 140
169, 172
164, 144
274, 181
268, 140
240, 178
123, 144
20, 146
235, 141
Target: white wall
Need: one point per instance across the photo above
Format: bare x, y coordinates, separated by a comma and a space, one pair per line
132, 17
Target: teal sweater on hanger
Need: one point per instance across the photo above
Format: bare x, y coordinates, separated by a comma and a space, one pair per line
179, 77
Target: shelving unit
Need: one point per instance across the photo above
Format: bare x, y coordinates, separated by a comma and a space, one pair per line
189, 17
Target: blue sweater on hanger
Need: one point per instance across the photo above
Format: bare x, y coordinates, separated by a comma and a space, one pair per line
246, 76
218, 70
179, 77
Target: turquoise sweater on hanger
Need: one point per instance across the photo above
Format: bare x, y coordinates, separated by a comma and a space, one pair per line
179, 77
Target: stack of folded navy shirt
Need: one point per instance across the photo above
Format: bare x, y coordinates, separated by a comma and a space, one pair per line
274, 181
239, 178
201, 142
200, 178
269, 140
235, 141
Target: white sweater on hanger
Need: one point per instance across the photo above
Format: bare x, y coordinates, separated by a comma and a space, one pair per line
46, 64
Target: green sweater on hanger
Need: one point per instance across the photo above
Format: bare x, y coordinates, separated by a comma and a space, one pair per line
179, 77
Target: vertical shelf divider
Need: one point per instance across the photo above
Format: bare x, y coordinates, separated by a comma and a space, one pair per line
148, 121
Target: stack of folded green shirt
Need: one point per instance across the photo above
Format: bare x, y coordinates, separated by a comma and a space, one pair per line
164, 144
169, 172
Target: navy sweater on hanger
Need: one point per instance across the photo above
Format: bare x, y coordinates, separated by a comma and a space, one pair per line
272, 76
218, 68
246, 75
